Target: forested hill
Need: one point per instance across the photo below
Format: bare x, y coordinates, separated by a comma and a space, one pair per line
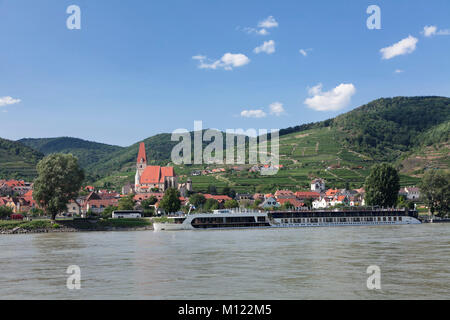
87, 152
387, 127
17, 160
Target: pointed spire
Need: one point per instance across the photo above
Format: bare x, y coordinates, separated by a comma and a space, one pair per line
141, 155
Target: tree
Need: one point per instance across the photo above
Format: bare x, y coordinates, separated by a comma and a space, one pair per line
197, 200
435, 189
211, 204
107, 213
382, 186
256, 204
147, 206
151, 201
402, 202
229, 192
171, 201
127, 203
59, 181
287, 206
5, 212
229, 204
308, 202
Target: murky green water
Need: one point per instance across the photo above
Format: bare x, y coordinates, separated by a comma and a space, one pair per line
306, 263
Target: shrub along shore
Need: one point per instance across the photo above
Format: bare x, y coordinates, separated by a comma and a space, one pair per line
77, 225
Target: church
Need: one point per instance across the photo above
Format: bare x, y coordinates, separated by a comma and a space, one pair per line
149, 178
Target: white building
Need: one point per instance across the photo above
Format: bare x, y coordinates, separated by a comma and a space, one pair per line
269, 203
321, 203
318, 185
410, 193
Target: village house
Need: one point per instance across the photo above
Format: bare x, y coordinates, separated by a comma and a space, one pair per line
339, 200
15, 187
297, 204
220, 198
97, 202
302, 195
97, 206
270, 202
284, 194
322, 203
74, 208
318, 185
410, 193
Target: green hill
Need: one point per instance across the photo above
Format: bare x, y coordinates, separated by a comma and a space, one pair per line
17, 160
88, 153
387, 127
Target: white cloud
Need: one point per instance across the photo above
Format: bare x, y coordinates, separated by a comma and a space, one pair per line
199, 57
267, 47
332, 100
228, 61
276, 108
268, 23
399, 71
429, 31
304, 52
5, 101
405, 46
253, 114
261, 30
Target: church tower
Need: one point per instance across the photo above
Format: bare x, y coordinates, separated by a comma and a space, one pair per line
141, 164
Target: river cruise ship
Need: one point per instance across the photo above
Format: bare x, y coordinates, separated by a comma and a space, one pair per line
230, 219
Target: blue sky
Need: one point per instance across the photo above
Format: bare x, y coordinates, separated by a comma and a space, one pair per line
129, 73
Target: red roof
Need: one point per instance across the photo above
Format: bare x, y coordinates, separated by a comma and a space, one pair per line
141, 155
103, 202
284, 193
156, 174
331, 192
307, 194
166, 172
14, 183
296, 203
219, 198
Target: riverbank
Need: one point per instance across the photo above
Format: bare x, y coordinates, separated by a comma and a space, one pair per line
47, 226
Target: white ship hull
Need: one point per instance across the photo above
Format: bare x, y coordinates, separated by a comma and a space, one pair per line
252, 220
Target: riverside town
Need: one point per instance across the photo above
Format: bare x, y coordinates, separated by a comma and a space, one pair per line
224, 159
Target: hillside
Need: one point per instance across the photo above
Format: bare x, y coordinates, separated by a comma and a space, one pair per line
17, 160
387, 127
88, 153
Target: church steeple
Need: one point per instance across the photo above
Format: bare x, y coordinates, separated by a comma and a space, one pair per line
141, 164
142, 157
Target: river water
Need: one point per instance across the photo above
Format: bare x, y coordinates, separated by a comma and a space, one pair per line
305, 263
